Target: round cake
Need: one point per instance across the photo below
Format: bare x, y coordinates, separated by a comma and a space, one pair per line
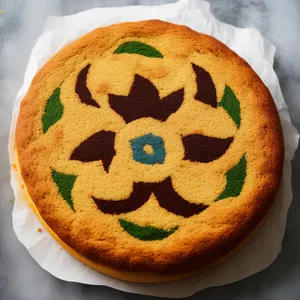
149, 151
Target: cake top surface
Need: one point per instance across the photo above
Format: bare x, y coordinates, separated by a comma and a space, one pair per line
147, 145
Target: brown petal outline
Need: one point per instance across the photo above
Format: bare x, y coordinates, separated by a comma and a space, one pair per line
165, 194
81, 89
139, 196
173, 202
201, 148
206, 90
143, 101
99, 146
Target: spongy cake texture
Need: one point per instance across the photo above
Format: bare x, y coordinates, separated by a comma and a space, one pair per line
148, 150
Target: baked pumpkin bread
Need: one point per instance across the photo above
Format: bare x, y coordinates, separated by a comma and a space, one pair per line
149, 151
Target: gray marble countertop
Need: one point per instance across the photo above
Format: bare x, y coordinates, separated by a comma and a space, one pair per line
21, 23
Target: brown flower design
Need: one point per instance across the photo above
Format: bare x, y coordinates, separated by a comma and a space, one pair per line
143, 101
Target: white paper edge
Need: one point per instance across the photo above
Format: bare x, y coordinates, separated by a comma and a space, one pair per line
187, 12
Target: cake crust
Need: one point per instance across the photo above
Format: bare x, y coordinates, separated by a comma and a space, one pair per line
96, 238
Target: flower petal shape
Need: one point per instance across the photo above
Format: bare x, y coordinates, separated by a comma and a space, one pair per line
65, 183
53, 111
231, 104
235, 178
136, 47
99, 146
165, 194
81, 89
140, 194
206, 90
201, 148
170, 200
143, 101
146, 233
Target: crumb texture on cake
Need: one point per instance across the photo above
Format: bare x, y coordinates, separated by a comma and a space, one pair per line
148, 148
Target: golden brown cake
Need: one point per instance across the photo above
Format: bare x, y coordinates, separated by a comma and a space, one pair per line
149, 151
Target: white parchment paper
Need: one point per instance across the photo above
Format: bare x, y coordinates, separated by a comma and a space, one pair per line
262, 248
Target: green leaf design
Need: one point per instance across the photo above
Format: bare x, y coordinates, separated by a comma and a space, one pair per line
235, 180
136, 47
65, 185
53, 110
232, 105
146, 233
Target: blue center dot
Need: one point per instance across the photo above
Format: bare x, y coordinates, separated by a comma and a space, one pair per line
148, 149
